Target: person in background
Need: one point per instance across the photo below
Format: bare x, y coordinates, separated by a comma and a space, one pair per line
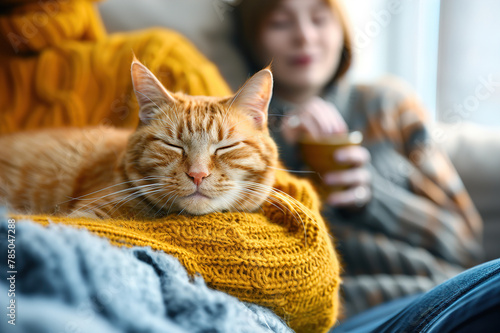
404, 222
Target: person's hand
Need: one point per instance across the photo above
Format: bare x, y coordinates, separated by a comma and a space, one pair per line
316, 118
356, 179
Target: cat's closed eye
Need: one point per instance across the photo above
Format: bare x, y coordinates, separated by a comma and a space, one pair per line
225, 149
171, 146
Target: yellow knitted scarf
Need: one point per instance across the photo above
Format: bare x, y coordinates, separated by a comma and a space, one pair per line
281, 258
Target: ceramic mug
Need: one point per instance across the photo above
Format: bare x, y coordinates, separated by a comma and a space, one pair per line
319, 154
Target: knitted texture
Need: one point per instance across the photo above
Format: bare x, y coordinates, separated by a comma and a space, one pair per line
281, 258
71, 281
59, 68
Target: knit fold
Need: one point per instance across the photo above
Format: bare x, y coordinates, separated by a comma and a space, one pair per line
32, 26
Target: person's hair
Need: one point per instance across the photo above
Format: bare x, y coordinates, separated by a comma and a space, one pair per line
251, 15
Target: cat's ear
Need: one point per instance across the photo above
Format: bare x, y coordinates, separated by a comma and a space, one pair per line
150, 93
254, 97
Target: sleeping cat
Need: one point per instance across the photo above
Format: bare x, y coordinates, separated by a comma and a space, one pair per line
191, 154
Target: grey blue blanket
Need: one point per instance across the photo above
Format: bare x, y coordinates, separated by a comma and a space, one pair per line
68, 280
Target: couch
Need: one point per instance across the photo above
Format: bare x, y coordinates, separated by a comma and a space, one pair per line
475, 153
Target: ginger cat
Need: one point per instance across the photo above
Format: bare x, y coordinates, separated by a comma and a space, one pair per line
191, 154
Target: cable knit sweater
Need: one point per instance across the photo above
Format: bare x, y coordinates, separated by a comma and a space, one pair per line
58, 67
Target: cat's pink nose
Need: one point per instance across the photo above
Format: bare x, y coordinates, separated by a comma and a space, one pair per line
197, 177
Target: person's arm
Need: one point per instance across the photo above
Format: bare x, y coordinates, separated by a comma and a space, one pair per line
451, 232
434, 211
415, 195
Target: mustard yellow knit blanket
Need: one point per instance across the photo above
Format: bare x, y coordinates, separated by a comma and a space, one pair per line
282, 257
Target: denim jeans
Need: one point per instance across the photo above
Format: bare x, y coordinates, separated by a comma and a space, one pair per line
469, 302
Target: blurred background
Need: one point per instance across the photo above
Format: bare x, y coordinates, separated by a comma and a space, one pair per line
448, 50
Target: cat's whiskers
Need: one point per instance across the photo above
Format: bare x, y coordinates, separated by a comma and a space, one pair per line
294, 204
149, 191
152, 207
268, 199
211, 207
159, 201
181, 211
90, 207
291, 171
170, 195
301, 206
134, 189
108, 187
230, 206
240, 200
285, 197
134, 196
249, 198
175, 198
119, 202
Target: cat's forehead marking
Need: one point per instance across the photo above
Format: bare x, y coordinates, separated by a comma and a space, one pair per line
199, 118
202, 118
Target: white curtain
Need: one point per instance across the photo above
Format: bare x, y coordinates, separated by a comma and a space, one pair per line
448, 50
469, 62
397, 37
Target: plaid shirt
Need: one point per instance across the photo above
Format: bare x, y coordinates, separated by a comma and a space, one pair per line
420, 227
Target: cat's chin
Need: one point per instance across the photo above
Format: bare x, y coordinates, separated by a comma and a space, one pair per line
197, 204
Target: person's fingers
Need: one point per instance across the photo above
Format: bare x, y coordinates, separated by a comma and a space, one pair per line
335, 120
325, 115
349, 178
330, 117
311, 128
317, 118
352, 155
357, 196
298, 125
316, 115
339, 124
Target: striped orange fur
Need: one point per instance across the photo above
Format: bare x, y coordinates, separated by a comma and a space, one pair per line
192, 154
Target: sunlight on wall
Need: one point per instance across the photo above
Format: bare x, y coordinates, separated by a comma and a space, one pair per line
469, 62
448, 50
397, 37
445, 49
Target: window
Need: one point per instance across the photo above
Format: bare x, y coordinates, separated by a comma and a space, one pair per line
448, 50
